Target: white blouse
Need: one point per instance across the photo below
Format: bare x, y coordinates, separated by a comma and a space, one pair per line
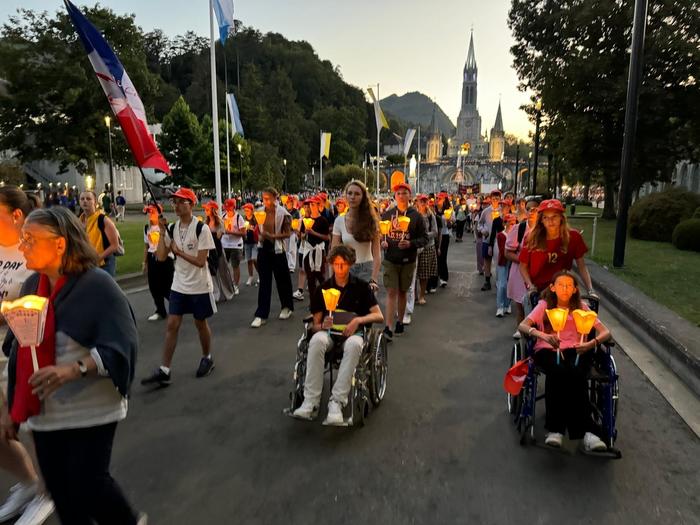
363, 250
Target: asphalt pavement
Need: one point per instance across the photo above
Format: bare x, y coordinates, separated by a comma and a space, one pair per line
440, 448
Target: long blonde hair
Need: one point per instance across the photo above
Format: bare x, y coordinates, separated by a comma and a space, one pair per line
537, 239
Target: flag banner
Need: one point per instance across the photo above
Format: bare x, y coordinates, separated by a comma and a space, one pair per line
408, 141
378, 113
235, 115
224, 16
120, 91
325, 145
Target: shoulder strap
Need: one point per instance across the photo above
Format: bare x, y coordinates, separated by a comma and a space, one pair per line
521, 231
101, 222
198, 228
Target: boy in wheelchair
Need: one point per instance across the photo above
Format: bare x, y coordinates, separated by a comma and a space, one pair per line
566, 363
357, 307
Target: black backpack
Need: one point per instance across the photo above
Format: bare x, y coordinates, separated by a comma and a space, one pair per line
213, 255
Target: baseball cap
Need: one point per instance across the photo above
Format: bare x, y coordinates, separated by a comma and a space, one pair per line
421, 197
230, 204
551, 205
211, 204
402, 186
247, 206
185, 193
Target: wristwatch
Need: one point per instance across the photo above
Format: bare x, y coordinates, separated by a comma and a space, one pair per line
83, 369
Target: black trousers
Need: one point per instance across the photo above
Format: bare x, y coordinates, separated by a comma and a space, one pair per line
269, 264
443, 272
160, 279
314, 279
565, 392
75, 466
460, 228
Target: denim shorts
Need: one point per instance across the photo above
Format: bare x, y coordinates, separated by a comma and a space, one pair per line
251, 252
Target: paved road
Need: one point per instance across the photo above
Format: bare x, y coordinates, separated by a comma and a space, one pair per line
440, 449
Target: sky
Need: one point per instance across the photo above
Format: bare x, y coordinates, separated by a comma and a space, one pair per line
404, 45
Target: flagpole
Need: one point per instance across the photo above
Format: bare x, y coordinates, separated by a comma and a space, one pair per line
418, 167
214, 108
320, 162
228, 137
379, 129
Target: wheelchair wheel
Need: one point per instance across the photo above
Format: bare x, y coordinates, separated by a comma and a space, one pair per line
379, 368
360, 401
296, 396
514, 402
604, 396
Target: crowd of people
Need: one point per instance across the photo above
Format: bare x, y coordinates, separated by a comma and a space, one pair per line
354, 244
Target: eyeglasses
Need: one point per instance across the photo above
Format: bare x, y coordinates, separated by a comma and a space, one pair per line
29, 240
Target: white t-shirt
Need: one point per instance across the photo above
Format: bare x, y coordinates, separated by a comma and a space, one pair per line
363, 250
231, 241
188, 278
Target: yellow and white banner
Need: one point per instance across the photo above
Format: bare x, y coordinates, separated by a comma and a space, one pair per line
325, 145
378, 113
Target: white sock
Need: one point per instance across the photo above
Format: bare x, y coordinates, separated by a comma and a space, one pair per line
165, 369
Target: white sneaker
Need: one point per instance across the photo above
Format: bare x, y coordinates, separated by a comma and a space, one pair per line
592, 443
499, 312
442, 283
508, 310
20, 496
298, 295
307, 410
258, 322
553, 439
249, 281
286, 313
236, 291
516, 334
143, 519
335, 413
257, 281
155, 317
406, 318
38, 511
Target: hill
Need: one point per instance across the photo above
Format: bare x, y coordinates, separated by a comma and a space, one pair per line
417, 108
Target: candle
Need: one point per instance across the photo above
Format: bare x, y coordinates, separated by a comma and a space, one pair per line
260, 217
448, 213
295, 224
584, 319
404, 222
557, 318
308, 223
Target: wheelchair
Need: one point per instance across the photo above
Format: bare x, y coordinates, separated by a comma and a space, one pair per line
603, 391
369, 381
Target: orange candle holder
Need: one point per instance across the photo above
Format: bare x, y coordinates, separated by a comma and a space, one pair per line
308, 223
260, 217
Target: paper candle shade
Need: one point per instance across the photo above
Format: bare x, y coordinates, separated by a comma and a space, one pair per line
260, 217
584, 319
228, 223
154, 237
302, 212
557, 317
26, 318
295, 224
308, 223
448, 213
384, 227
331, 296
284, 199
404, 223
246, 224
495, 215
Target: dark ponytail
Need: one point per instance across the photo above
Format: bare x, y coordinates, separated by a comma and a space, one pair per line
16, 199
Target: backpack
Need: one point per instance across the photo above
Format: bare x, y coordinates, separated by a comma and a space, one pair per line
212, 255
105, 241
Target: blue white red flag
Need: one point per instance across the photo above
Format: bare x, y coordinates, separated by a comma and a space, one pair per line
120, 91
224, 16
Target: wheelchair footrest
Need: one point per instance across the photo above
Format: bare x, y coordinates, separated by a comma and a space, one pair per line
347, 422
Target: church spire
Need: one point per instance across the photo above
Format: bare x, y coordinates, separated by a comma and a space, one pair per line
471, 57
433, 121
498, 126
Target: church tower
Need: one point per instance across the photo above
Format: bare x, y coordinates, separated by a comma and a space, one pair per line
434, 145
497, 144
469, 120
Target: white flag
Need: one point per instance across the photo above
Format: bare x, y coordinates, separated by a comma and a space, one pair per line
408, 140
325, 145
378, 113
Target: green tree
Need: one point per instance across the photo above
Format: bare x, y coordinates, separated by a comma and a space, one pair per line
185, 145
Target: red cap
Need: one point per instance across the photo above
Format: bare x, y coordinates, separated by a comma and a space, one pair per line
247, 206
510, 218
211, 204
153, 208
402, 186
187, 194
230, 204
442, 195
323, 195
421, 197
515, 377
551, 205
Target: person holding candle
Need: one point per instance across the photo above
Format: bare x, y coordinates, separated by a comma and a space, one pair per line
444, 214
222, 277
101, 231
272, 260
356, 307
250, 243
566, 359
485, 224
400, 253
316, 237
427, 258
74, 401
232, 241
461, 219
304, 211
359, 229
503, 225
159, 274
292, 244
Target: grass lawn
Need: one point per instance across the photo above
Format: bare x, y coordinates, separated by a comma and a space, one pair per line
666, 274
132, 235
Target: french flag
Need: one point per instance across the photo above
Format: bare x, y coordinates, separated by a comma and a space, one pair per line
120, 91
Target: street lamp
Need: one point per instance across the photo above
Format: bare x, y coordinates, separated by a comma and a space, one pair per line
108, 123
529, 168
538, 118
240, 172
284, 161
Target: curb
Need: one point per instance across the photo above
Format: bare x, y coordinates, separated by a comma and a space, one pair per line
674, 340
131, 280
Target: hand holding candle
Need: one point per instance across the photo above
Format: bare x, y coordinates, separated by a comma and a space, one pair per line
557, 318
295, 224
260, 217
448, 213
26, 317
308, 223
384, 228
584, 319
331, 296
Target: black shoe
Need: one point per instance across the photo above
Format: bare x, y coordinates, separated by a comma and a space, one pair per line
388, 333
158, 377
399, 328
487, 286
206, 365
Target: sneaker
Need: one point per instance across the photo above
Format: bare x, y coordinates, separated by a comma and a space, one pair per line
258, 322
406, 318
487, 286
442, 283
38, 511
399, 330
499, 312
236, 291
20, 496
388, 333
508, 310
298, 295
517, 335
159, 376
206, 366
257, 282
432, 290
335, 413
286, 313
155, 317
307, 410
553, 439
249, 281
143, 519
592, 443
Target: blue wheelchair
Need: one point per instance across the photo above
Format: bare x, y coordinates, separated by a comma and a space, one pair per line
603, 391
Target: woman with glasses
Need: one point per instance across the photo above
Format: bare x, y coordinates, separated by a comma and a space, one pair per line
101, 231
74, 400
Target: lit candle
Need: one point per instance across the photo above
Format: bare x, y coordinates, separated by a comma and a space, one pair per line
557, 318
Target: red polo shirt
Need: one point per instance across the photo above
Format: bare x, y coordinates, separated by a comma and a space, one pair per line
543, 264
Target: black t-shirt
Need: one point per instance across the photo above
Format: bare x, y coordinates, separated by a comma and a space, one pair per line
320, 226
357, 297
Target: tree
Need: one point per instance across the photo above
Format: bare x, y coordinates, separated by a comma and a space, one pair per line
184, 145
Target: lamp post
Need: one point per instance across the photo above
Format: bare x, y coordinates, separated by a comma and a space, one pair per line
538, 118
529, 168
240, 172
517, 165
284, 161
108, 123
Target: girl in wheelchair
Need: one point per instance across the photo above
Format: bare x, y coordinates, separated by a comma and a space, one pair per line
566, 363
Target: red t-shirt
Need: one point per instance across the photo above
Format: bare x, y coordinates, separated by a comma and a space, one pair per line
543, 264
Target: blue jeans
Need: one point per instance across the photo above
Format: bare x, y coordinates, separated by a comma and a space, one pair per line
502, 300
110, 265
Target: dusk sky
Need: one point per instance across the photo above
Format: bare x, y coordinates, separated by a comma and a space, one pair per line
405, 45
